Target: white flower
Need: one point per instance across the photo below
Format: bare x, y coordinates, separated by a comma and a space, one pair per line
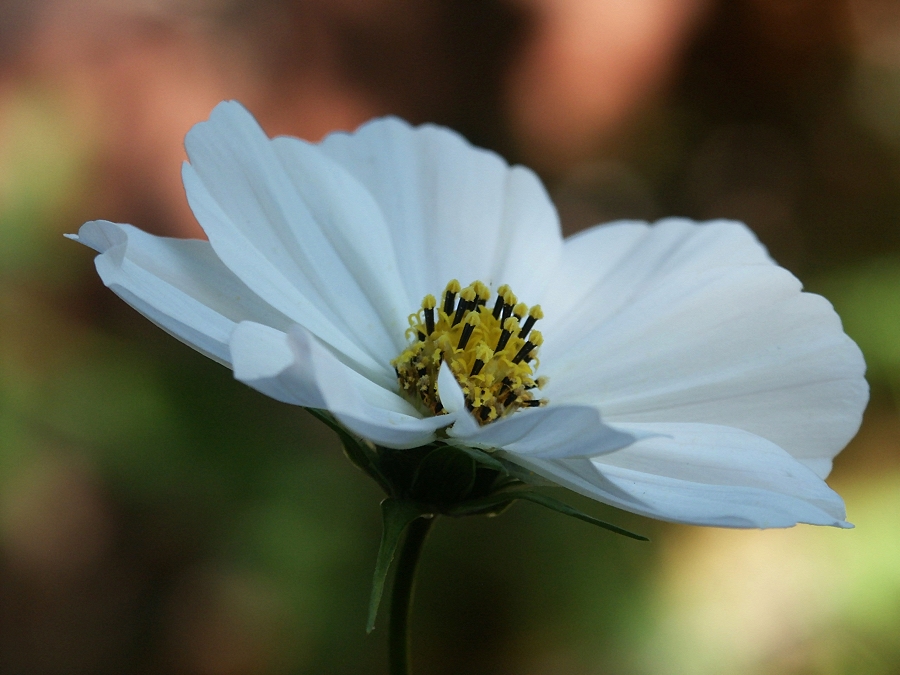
689, 378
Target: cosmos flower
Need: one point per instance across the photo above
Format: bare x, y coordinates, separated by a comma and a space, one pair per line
419, 289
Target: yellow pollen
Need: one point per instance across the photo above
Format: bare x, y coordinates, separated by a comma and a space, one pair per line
490, 347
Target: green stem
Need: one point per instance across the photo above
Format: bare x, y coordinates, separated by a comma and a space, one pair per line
401, 597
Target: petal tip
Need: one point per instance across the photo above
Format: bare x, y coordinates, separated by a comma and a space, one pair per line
103, 236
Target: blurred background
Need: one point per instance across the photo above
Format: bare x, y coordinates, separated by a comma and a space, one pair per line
157, 517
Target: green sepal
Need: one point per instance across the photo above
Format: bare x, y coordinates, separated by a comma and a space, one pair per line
396, 516
486, 506
359, 451
483, 458
497, 502
493, 504
566, 510
522, 474
444, 476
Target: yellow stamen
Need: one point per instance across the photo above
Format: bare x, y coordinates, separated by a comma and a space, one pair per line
490, 350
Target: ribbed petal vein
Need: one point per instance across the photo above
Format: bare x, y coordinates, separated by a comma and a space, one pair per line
264, 230
735, 345
701, 474
178, 284
462, 212
294, 367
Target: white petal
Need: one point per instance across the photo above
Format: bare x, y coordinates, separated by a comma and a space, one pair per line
296, 368
345, 214
263, 359
702, 475
530, 242
454, 211
606, 268
552, 432
736, 345
567, 431
453, 399
178, 284
302, 257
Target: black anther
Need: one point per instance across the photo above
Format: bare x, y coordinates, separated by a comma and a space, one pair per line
498, 307
529, 324
476, 367
460, 311
523, 352
449, 299
501, 343
466, 334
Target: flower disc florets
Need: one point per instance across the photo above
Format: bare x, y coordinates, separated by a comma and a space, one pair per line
489, 347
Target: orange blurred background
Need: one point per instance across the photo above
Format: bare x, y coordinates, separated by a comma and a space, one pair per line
157, 517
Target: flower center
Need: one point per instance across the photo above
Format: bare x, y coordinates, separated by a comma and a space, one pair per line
490, 350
